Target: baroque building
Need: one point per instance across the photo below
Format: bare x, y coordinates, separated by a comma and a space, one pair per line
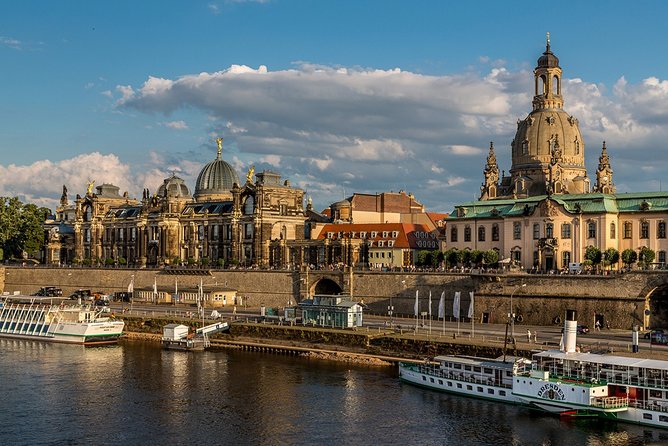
544, 213
224, 222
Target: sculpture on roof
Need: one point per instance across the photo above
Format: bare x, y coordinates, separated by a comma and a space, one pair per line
89, 188
249, 175
219, 142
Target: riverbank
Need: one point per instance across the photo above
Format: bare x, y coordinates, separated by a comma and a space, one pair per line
377, 347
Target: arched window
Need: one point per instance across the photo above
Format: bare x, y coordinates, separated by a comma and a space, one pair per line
453, 234
549, 230
517, 231
467, 233
556, 86
481, 234
613, 230
591, 229
644, 229
543, 85
661, 229
495, 232
249, 205
88, 213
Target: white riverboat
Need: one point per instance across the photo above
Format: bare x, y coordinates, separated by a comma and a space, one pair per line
466, 375
56, 320
565, 382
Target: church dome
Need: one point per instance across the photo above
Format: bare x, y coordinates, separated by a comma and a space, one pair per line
548, 59
216, 180
174, 187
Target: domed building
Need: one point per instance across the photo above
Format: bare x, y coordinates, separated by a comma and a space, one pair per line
216, 179
545, 214
222, 223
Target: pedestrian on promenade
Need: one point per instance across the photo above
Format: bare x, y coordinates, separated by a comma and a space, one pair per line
598, 325
528, 335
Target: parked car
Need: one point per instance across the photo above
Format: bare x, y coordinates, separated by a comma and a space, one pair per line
583, 329
49, 291
81, 293
653, 333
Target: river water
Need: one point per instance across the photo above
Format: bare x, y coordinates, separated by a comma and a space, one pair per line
137, 393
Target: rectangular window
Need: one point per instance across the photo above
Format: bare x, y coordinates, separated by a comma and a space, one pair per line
647, 416
644, 229
467, 233
566, 231
495, 232
453, 234
536, 231
591, 230
549, 230
662, 257
661, 229
517, 231
628, 229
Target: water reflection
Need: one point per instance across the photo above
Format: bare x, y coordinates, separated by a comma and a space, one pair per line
137, 393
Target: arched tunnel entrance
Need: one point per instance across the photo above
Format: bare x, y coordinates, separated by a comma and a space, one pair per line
326, 286
656, 308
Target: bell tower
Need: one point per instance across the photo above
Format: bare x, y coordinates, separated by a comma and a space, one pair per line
547, 81
604, 182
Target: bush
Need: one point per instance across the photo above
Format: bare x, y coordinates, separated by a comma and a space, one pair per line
122, 261
109, 261
629, 257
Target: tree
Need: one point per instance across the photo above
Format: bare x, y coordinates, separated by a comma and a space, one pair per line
422, 258
491, 257
21, 227
646, 256
611, 257
593, 254
453, 257
466, 257
476, 257
629, 257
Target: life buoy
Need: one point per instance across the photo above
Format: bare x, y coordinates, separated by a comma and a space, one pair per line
557, 320
519, 318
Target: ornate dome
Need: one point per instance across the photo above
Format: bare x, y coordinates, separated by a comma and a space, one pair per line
216, 180
174, 187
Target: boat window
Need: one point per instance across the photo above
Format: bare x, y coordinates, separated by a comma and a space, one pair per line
647, 416
449, 384
424, 378
467, 367
431, 379
490, 391
440, 381
479, 389
459, 386
469, 387
502, 392
509, 373
477, 369
656, 393
663, 418
488, 371
458, 366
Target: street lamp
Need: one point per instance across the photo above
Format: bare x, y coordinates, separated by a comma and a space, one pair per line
512, 314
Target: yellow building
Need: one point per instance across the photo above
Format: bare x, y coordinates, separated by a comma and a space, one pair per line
544, 214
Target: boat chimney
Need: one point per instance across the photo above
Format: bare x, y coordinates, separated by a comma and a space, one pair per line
570, 332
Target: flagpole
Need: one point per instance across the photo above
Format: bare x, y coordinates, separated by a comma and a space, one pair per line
429, 312
417, 309
441, 310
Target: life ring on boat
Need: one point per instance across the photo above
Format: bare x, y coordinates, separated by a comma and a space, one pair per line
519, 318
557, 320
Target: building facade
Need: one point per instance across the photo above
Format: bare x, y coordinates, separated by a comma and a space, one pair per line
222, 223
545, 214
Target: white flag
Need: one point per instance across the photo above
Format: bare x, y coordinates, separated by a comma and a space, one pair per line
455, 305
441, 306
471, 310
429, 304
417, 304
155, 286
131, 286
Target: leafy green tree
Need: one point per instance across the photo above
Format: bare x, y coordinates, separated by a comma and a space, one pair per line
491, 257
466, 257
476, 257
594, 255
453, 257
21, 227
646, 256
422, 258
611, 257
629, 257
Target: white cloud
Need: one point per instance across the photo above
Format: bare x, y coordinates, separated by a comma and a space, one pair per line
176, 125
273, 160
464, 150
214, 8
11, 43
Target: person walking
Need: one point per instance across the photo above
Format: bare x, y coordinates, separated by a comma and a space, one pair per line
528, 335
598, 325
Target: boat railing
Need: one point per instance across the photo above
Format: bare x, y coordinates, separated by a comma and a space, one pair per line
437, 372
610, 402
648, 405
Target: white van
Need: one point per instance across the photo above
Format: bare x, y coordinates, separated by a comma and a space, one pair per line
575, 268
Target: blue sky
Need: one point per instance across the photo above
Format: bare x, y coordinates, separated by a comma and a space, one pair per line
339, 97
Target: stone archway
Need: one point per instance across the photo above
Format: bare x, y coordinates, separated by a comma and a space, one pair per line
326, 286
655, 314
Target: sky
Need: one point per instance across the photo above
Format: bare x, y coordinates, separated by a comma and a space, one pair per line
337, 96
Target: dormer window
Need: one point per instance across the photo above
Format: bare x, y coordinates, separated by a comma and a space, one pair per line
330, 235
385, 234
363, 234
374, 234
395, 234
380, 243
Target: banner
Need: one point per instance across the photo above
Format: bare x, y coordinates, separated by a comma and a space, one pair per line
441, 306
417, 305
455, 305
429, 304
471, 310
